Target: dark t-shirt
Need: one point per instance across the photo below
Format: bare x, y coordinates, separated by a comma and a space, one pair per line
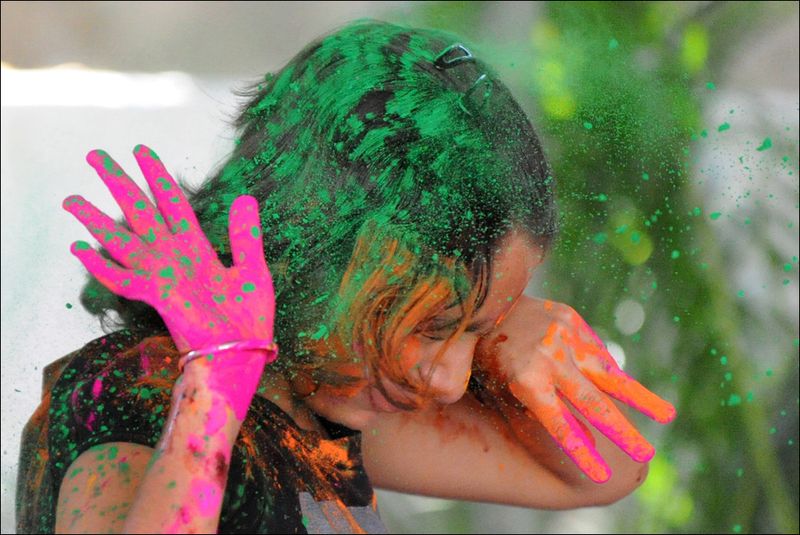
282, 479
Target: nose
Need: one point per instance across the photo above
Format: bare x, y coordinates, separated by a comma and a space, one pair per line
450, 375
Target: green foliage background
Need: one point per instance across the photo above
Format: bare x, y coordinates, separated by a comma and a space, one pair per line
617, 91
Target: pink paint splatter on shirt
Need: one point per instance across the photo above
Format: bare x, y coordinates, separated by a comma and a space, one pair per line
74, 397
145, 363
90, 421
97, 388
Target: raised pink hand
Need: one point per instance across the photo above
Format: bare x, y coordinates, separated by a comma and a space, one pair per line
545, 353
167, 262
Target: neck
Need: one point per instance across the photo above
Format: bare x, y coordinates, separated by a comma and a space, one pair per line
276, 389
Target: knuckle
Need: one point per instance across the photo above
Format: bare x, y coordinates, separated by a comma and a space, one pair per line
535, 382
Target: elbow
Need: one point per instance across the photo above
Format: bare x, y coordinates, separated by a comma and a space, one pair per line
621, 484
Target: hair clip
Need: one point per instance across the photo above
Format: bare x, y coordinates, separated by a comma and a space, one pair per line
487, 91
442, 63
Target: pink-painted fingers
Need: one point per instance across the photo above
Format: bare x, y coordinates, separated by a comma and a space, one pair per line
124, 247
168, 195
244, 231
177, 272
112, 276
616, 383
565, 429
604, 415
140, 213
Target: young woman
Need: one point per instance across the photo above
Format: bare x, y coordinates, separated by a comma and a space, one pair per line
402, 200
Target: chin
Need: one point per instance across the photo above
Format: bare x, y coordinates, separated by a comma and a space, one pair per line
360, 420
350, 412
356, 419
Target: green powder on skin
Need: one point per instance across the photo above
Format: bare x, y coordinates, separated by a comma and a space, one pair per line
411, 164
164, 183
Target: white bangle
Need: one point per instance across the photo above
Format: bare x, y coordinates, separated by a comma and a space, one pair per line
264, 345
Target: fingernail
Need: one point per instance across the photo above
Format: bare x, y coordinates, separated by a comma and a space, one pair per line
668, 415
80, 245
96, 155
71, 200
600, 474
143, 150
644, 454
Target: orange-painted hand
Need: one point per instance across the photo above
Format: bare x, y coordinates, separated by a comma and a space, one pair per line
544, 353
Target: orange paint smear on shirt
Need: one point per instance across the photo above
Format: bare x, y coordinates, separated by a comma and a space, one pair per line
323, 457
251, 452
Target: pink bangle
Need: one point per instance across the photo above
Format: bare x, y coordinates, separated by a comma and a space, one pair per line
264, 345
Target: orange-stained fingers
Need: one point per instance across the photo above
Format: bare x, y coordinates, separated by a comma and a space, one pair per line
565, 429
601, 412
618, 384
595, 362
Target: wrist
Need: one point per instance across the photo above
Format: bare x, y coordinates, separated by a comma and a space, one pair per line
213, 351
233, 376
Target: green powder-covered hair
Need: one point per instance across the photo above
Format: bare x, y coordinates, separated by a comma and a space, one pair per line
362, 144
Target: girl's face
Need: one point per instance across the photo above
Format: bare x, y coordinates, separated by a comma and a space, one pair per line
513, 264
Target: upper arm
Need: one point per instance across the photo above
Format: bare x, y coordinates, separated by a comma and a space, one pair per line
99, 487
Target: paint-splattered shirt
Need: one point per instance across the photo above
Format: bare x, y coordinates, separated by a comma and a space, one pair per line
282, 479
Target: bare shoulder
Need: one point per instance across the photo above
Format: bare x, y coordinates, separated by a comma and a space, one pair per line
99, 487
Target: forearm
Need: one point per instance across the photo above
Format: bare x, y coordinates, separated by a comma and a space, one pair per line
469, 451
183, 487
